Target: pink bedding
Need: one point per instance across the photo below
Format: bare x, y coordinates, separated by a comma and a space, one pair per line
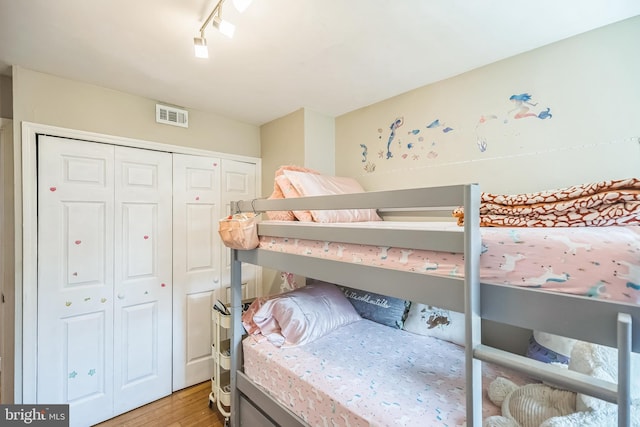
367, 374
598, 262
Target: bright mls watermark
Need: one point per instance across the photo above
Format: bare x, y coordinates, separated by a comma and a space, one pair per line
34, 415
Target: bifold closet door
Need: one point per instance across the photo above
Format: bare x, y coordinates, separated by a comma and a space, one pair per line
75, 277
104, 277
196, 265
143, 277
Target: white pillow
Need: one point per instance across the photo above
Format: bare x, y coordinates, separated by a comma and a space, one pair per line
435, 322
308, 184
557, 343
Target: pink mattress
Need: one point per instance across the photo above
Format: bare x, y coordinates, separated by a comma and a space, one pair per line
367, 374
598, 262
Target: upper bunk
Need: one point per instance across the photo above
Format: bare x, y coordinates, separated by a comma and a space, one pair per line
585, 318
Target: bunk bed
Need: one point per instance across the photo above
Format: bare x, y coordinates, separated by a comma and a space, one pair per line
606, 322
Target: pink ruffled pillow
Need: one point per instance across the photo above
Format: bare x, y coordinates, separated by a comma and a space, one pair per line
306, 184
281, 184
289, 191
304, 315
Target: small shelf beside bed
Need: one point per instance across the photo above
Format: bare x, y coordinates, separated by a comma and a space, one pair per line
221, 353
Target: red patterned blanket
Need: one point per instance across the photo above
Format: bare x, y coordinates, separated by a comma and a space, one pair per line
614, 202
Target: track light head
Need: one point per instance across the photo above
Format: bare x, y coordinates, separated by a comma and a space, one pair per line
200, 47
225, 27
241, 5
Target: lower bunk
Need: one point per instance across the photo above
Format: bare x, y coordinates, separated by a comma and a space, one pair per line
266, 385
368, 374
302, 367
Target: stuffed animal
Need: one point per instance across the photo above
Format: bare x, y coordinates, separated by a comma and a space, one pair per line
540, 405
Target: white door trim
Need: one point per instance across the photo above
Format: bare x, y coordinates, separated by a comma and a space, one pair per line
27, 243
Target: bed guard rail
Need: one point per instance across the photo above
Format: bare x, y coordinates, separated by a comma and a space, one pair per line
580, 383
413, 198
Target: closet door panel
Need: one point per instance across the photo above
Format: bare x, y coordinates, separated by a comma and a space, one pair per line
200, 232
75, 277
143, 277
85, 254
196, 265
198, 308
86, 331
140, 323
139, 223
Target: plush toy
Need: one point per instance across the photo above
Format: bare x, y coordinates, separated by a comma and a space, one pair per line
540, 405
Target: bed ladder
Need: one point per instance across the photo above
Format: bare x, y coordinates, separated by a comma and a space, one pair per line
472, 249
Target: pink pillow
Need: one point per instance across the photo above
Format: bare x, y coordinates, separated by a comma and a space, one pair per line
304, 315
320, 185
278, 193
289, 191
279, 215
247, 315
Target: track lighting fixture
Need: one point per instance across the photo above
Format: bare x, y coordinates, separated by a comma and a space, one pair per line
225, 27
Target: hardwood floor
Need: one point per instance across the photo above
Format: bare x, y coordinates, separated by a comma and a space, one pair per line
184, 408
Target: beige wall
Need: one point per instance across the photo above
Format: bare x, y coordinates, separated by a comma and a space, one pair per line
46, 99
319, 142
282, 143
590, 83
6, 98
7, 260
302, 138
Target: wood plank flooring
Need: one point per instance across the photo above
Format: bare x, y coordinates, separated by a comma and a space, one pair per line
184, 408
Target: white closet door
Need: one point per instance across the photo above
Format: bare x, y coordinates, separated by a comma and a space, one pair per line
196, 265
75, 277
104, 277
143, 277
238, 183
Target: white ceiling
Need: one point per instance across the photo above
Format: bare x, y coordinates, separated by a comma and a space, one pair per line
330, 56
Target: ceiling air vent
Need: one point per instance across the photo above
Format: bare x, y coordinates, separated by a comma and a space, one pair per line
172, 116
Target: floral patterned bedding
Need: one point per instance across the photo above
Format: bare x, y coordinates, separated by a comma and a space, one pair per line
367, 374
598, 262
604, 203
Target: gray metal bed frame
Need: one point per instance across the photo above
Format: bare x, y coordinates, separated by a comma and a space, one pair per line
598, 321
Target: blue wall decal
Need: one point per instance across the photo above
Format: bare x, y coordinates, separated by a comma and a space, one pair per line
395, 125
364, 152
407, 146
